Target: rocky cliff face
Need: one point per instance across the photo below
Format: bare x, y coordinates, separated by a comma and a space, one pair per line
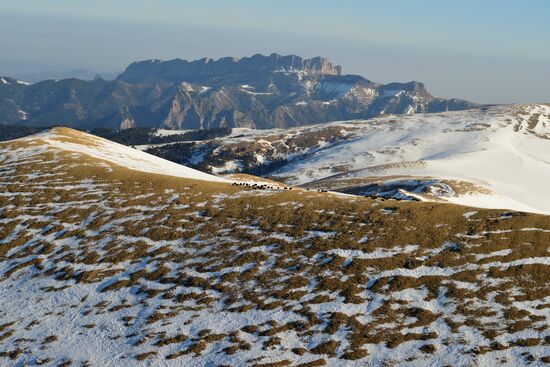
177, 70
257, 92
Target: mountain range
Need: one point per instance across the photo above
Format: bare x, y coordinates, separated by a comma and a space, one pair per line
253, 92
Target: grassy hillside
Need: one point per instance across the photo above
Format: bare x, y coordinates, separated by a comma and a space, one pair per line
103, 264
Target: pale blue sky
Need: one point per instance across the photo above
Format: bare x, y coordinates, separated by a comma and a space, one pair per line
484, 50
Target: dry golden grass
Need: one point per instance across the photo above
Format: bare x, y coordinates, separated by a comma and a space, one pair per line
226, 249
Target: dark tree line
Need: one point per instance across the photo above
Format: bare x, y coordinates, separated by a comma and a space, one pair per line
178, 152
133, 136
208, 134
143, 135
9, 132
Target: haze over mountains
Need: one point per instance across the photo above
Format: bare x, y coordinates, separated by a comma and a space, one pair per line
255, 92
83, 74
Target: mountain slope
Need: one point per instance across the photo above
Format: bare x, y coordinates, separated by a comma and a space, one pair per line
255, 92
70, 140
102, 264
494, 157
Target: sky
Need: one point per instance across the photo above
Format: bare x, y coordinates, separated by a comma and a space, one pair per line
487, 51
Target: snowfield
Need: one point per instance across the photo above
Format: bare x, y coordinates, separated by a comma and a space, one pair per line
501, 153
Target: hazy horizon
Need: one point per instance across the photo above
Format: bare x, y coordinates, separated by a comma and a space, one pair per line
490, 53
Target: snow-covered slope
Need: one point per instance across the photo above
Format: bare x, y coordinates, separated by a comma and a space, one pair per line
72, 140
502, 154
494, 149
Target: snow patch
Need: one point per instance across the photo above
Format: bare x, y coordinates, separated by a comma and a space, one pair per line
332, 88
